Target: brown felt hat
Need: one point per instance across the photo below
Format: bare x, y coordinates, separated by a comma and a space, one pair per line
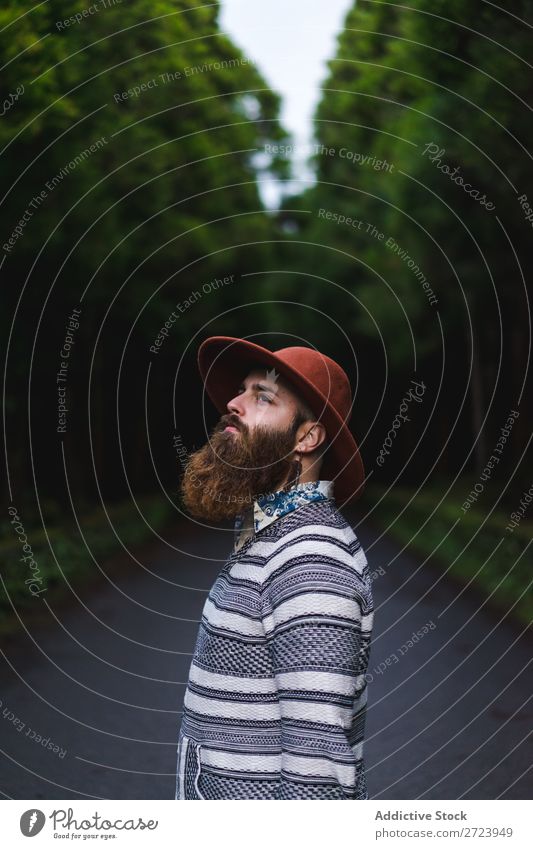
224, 362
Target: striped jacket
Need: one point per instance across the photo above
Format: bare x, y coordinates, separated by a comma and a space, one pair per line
275, 704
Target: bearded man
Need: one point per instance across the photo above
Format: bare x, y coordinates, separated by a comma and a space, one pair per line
275, 704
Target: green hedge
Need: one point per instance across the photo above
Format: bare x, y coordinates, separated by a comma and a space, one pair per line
475, 533
70, 550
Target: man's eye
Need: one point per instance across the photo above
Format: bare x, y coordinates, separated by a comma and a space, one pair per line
265, 398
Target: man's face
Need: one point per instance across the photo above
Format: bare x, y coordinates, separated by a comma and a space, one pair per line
249, 453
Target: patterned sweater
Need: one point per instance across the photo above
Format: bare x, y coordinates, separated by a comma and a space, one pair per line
275, 704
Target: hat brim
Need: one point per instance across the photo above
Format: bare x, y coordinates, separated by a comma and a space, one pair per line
224, 362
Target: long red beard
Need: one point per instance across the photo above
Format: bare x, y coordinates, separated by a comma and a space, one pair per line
231, 470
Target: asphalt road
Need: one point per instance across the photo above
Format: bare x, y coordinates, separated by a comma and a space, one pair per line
91, 700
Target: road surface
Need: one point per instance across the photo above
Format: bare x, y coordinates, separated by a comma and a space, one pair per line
91, 702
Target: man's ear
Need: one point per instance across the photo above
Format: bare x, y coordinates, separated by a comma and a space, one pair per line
311, 437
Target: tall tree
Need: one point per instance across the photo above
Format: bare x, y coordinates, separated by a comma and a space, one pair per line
415, 217
137, 127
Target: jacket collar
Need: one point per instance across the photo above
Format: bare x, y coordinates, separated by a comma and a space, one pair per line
267, 508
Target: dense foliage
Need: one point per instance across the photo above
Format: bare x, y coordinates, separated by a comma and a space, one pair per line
416, 238
129, 181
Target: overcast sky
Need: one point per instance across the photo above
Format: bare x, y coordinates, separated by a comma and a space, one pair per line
291, 40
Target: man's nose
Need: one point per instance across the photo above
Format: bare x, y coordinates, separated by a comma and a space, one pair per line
235, 406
